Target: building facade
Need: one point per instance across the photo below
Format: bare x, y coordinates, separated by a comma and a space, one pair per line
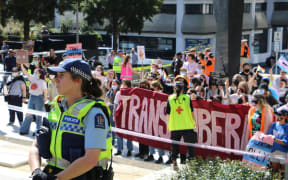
182, 24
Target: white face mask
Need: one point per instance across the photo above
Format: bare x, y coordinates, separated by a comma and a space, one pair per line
183, 73
98, 73
152, 69
51, 76
114, 87
160, 65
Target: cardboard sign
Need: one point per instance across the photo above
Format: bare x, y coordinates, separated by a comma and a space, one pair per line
141, 53
22, 57
261, 144
29, 46
219, 125
74, 51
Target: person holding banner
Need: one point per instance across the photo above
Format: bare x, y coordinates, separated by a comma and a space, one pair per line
76, 140
181, 121
260, 115
279, 130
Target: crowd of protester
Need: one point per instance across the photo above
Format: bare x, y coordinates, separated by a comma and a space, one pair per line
249, 87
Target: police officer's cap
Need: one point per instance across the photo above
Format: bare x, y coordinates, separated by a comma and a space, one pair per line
76, 66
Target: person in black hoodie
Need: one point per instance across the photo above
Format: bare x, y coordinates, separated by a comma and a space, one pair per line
16, 95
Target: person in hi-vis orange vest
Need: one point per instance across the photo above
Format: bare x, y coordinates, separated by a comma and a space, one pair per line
260, 115
203, 63
245, 52
210, 63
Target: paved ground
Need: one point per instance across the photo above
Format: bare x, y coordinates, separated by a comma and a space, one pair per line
14, 150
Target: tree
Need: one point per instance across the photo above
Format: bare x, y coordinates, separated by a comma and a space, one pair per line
120, 15
30, 10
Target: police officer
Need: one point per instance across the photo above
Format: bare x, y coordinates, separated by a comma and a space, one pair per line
117, 64
79, 135
180, 121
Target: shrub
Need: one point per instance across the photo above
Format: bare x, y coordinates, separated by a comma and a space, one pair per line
218, 169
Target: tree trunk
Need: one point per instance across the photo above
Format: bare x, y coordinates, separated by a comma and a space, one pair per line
115, 36
26, 29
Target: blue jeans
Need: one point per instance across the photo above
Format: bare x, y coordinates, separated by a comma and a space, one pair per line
113, 133
36, 103
160, 152
120, 144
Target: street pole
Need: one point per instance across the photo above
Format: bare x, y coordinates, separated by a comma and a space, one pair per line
77, 21
252, 37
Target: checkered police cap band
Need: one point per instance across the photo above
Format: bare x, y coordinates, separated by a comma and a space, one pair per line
81, 73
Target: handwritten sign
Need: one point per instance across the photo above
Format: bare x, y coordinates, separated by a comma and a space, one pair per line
141, 53
259, 144
29, 46
22, 57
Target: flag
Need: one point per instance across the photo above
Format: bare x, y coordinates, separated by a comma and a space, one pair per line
260, 69
283, 63
164, 77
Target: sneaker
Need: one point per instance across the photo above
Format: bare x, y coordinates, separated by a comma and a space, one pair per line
23, 133
149, 158
169, 161
10, 124
138, 155
129, 154
118, 153
159, 160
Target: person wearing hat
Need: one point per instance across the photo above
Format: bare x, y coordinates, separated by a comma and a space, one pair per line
117, 64
10, 61
244, 54
279, 130
210, 63
177, 63
77, 140
181, 121
260, 115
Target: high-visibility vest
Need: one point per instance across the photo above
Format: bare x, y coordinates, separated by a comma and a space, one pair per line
210, 68
250, 116
126, 72
180, 115
242, 54
117, 64
68, 133
203, 63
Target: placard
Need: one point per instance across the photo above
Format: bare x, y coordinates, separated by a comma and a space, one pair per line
22, 56
74, 51
141, 53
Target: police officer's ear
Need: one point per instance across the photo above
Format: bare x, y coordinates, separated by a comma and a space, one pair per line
78, 81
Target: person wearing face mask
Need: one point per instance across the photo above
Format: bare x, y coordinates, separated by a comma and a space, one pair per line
16, 95
246, 72
52, 90
38, 95
181, 121
177, 63
260, 115
99, 73
153, 72
279, 130
110, 97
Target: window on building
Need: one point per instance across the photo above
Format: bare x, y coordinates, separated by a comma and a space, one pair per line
193, 8
247, 8
260, 7
207, 8
260, 42
281, 6
168, 9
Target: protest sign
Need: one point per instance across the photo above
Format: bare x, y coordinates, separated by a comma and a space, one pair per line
143, 111
141, 53
29, 46
22, 56
260, 144
74, 51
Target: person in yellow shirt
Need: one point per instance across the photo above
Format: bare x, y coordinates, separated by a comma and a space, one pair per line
181, 121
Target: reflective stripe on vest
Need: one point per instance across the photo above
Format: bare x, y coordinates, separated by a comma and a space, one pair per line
180, 113
264, 109
58, 126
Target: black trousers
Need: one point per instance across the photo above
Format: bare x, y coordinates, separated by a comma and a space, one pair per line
15, 101
143, 149
189, 137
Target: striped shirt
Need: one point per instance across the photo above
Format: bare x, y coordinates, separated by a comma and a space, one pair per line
15, 88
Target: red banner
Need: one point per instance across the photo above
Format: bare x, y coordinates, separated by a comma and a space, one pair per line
143, 111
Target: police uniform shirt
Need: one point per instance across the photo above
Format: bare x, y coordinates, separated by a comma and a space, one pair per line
96, 127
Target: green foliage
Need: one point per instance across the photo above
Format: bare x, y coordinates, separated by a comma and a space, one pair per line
66, 25
120, 15
12, 27
218, 169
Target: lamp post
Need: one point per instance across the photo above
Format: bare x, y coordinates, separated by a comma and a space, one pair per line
77, 22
